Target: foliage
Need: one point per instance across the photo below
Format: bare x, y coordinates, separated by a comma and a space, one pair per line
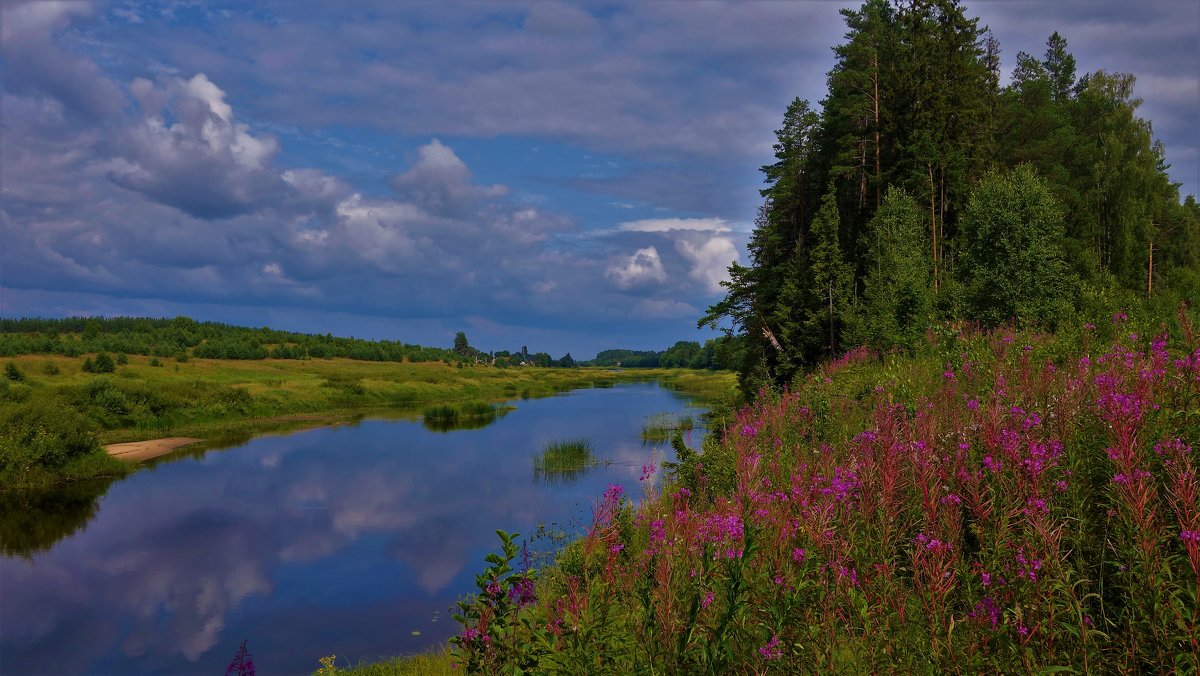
914, 104
14, 372
996, 502
897, 295
1013, 264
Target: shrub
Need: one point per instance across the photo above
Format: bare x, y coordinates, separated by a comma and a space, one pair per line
14, 372
103, 364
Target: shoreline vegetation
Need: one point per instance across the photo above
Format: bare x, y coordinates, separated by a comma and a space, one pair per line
56, 416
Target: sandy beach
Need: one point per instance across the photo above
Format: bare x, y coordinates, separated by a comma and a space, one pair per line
136, 451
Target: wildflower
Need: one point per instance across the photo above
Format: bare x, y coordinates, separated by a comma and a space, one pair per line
648, 470
771, 650
798, 555
991, 464
708, 599
1089, 326
1189, 535
242, 664
973, 404
749, 431
522, 593
948, 375
616, 549
985, 578
987, 608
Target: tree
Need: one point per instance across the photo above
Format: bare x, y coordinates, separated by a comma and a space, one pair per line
897, 300
1013, 244
829, 281
461, 346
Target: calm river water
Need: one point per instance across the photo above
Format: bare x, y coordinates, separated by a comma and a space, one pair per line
354, 540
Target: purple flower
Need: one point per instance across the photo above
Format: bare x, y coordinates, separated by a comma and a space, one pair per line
708, 599
771, 650
798, 555
522, 593
242, 664
1189, 535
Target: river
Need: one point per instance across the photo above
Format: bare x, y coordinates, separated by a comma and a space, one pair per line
353, 540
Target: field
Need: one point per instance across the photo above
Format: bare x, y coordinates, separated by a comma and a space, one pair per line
994, 502
53, 413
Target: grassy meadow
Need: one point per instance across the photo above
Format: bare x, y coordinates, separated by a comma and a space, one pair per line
999, 502
54, 415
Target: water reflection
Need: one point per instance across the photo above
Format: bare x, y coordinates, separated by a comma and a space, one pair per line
337, 540
32, 521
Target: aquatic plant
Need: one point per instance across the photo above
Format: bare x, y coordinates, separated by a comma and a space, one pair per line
564, 460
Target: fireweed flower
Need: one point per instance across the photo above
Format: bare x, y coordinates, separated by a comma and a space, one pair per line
708, 599
771, 650
648, 470
1189, 535
798, 555
522, 593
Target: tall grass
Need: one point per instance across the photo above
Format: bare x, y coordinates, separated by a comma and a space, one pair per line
564, 460
659, 427
1001, 503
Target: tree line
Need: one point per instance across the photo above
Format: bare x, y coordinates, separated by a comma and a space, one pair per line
183, 337
923, 190
714, 354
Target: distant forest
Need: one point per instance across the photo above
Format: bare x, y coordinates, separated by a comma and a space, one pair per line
924, 191
719, 353
182, 337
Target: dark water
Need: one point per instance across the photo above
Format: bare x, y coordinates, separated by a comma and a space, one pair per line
344, 540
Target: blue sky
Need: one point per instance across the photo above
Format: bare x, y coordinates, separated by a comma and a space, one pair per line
571, 177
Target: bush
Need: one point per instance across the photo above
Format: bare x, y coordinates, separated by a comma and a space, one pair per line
103, 364
155, 362
14, 372
45, 433
122, 359
50, 368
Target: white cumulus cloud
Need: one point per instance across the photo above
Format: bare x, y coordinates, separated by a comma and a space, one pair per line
709, 259
642, 268
672, 224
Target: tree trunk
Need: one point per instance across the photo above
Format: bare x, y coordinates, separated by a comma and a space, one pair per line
830, 316
1150, 274
878, 170
933, 225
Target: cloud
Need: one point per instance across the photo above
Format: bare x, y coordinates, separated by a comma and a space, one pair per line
188, 152
642, 268
710, 259
675, 224
34, 64
440, 183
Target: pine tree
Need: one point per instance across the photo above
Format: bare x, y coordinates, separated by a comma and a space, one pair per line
897, 299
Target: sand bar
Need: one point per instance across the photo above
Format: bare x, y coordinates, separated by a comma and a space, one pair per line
135, 451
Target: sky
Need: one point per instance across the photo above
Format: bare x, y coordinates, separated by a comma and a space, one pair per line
570, 177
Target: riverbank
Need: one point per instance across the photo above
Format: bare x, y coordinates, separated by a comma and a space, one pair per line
136, 451
54, 420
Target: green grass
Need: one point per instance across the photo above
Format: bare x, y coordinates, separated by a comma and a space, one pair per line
435, 663
564, 460
211, 398
660, 426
